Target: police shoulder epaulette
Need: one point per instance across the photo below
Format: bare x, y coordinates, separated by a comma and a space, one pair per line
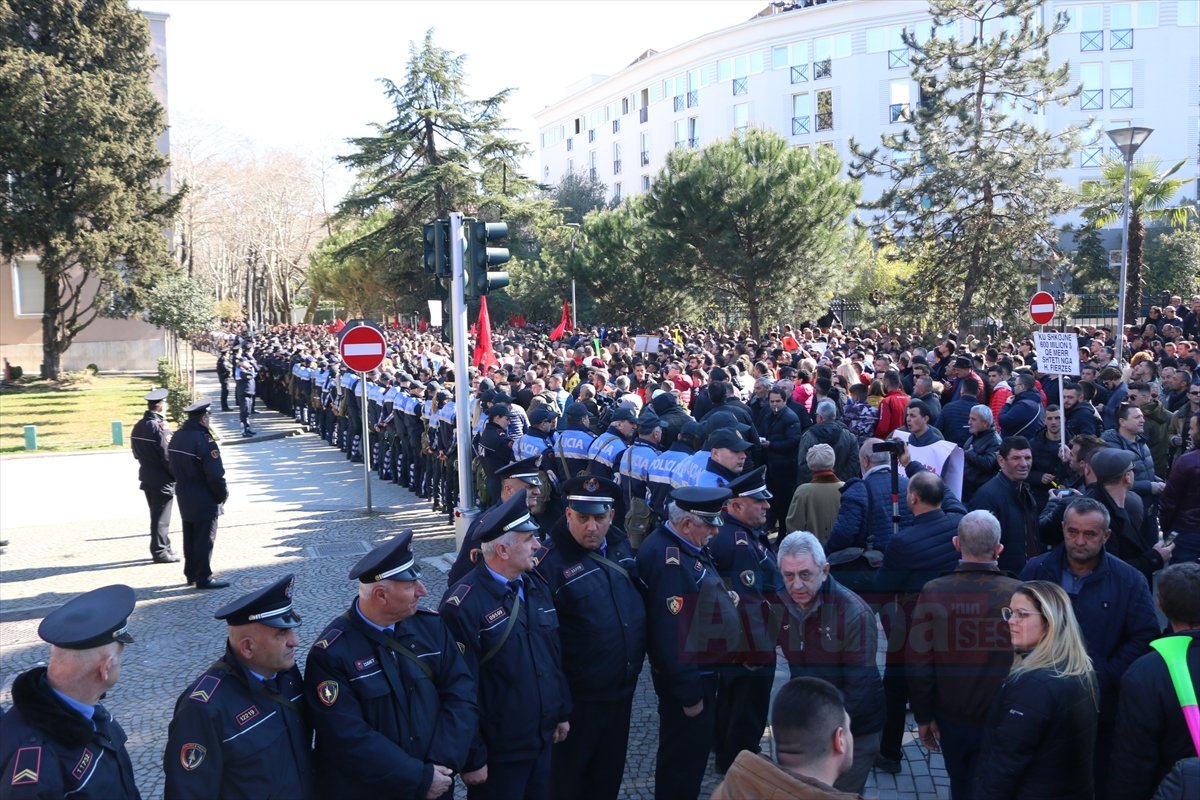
330, 636
672, 555
428, 611
740, 537
205, 688
458, 595
27, 766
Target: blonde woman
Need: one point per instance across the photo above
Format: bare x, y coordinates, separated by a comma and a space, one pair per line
1041, 728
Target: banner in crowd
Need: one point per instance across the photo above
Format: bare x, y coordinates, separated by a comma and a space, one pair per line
484, 356
558, 332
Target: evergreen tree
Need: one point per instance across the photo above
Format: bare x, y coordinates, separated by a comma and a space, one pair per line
1173, 264
1089, 267
441, 152
80, 161
970, 189
761, 222
577, 194
1151, 193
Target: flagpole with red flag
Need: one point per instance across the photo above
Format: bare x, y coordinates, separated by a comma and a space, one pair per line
484, 357
558, 332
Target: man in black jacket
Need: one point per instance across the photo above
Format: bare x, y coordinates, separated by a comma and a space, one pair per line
196, 464
149, 442
589, 568
58, 741
1009, 498
213, 750
392, 701
1154, 732
780, 430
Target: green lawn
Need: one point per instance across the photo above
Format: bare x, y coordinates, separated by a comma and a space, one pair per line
70, 415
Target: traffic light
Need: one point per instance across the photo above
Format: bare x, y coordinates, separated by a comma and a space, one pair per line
437, 253
480, 258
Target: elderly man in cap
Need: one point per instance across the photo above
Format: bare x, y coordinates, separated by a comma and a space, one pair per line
58, 741
515, 477
391, 699
692, 626
495, 448
149, 442
196, 464
727, 458
503, 619
589, 567
605, 452
241, 729
742, 554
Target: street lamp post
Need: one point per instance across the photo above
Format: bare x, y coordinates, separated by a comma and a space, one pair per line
1127, 140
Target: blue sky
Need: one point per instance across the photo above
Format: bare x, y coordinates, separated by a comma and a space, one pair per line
302, 75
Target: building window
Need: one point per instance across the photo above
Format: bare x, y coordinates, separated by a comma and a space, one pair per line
29, 287
800, 73
1120, 82
591, 135
1142, 14
1189, 12
900, 109
592, 165
616, 158
1091, 152
678, 102
645, 183
680, 133
1092, 96
825, 50
616, 193
739, 86
645, 143
693, 98
624, 106
1085, 18
1121, 39
741, 118
643, 115
825, 110
1090, 41
617, 125
889, 39
822, 69
570, 144
898, 59
570, 165
801, 114
693, 132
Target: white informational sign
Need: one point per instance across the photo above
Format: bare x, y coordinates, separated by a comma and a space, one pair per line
820, 347
646, 344
435, 313
1057, 353
944, 458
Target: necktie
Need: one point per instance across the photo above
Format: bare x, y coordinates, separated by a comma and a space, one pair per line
514, 586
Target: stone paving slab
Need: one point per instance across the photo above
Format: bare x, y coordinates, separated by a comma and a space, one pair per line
296, 505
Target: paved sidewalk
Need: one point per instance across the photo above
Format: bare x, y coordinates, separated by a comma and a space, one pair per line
77, 522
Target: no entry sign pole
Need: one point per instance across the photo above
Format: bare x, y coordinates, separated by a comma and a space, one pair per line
362, 347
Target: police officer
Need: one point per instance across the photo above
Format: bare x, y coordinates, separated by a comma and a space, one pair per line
727, 457
589, 567
200, 486
241, 730
742, 554
574, 441
691, 626
606, 450
502, 617
663, 465
58, 741
224, 370
633, 477
245, 375
495, 447
149, 442
392, 700
514, 477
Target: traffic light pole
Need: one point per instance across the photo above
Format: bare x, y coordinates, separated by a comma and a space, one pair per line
466, 511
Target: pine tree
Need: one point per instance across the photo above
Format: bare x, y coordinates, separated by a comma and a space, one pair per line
970, 189
441, 152
80, 159
1090, 271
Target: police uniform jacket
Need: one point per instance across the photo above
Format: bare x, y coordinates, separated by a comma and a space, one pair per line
662, 467
535, 442
692, 624
196, 463
149, 442
744, 558
602, 621
382, 721
232, 737
496, 448
634, 471
715, 476
605, 453
571, 449
523, 693
48, 750
245, 380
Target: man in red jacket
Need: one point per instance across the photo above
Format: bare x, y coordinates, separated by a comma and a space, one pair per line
893, 406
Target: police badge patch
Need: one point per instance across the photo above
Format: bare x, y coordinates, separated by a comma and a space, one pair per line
675, 604
747, 578
191, 755
327, 692
85, 760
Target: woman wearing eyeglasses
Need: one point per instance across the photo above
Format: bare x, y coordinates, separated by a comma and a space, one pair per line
1041, 728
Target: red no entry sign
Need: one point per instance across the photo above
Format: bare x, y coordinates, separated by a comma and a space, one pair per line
362, 348
1042, 308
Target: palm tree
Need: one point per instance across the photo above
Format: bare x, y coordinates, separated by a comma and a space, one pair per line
1151, 193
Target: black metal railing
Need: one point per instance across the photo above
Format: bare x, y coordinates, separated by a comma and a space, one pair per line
1120, 98
643, 115
898, 59
740, 86
693, 98
570, 144
678, 102
645, 158
1091, 99
822, 69
800, 125
825, 121
1091, 41
800, 73
616, 126
1121, 39
1091, 156
899, 112
591, 135
617, 166
694, 142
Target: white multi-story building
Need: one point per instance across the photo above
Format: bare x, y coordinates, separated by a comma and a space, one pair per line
823, 72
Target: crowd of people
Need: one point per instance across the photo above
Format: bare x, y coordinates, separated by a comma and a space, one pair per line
1013, 541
